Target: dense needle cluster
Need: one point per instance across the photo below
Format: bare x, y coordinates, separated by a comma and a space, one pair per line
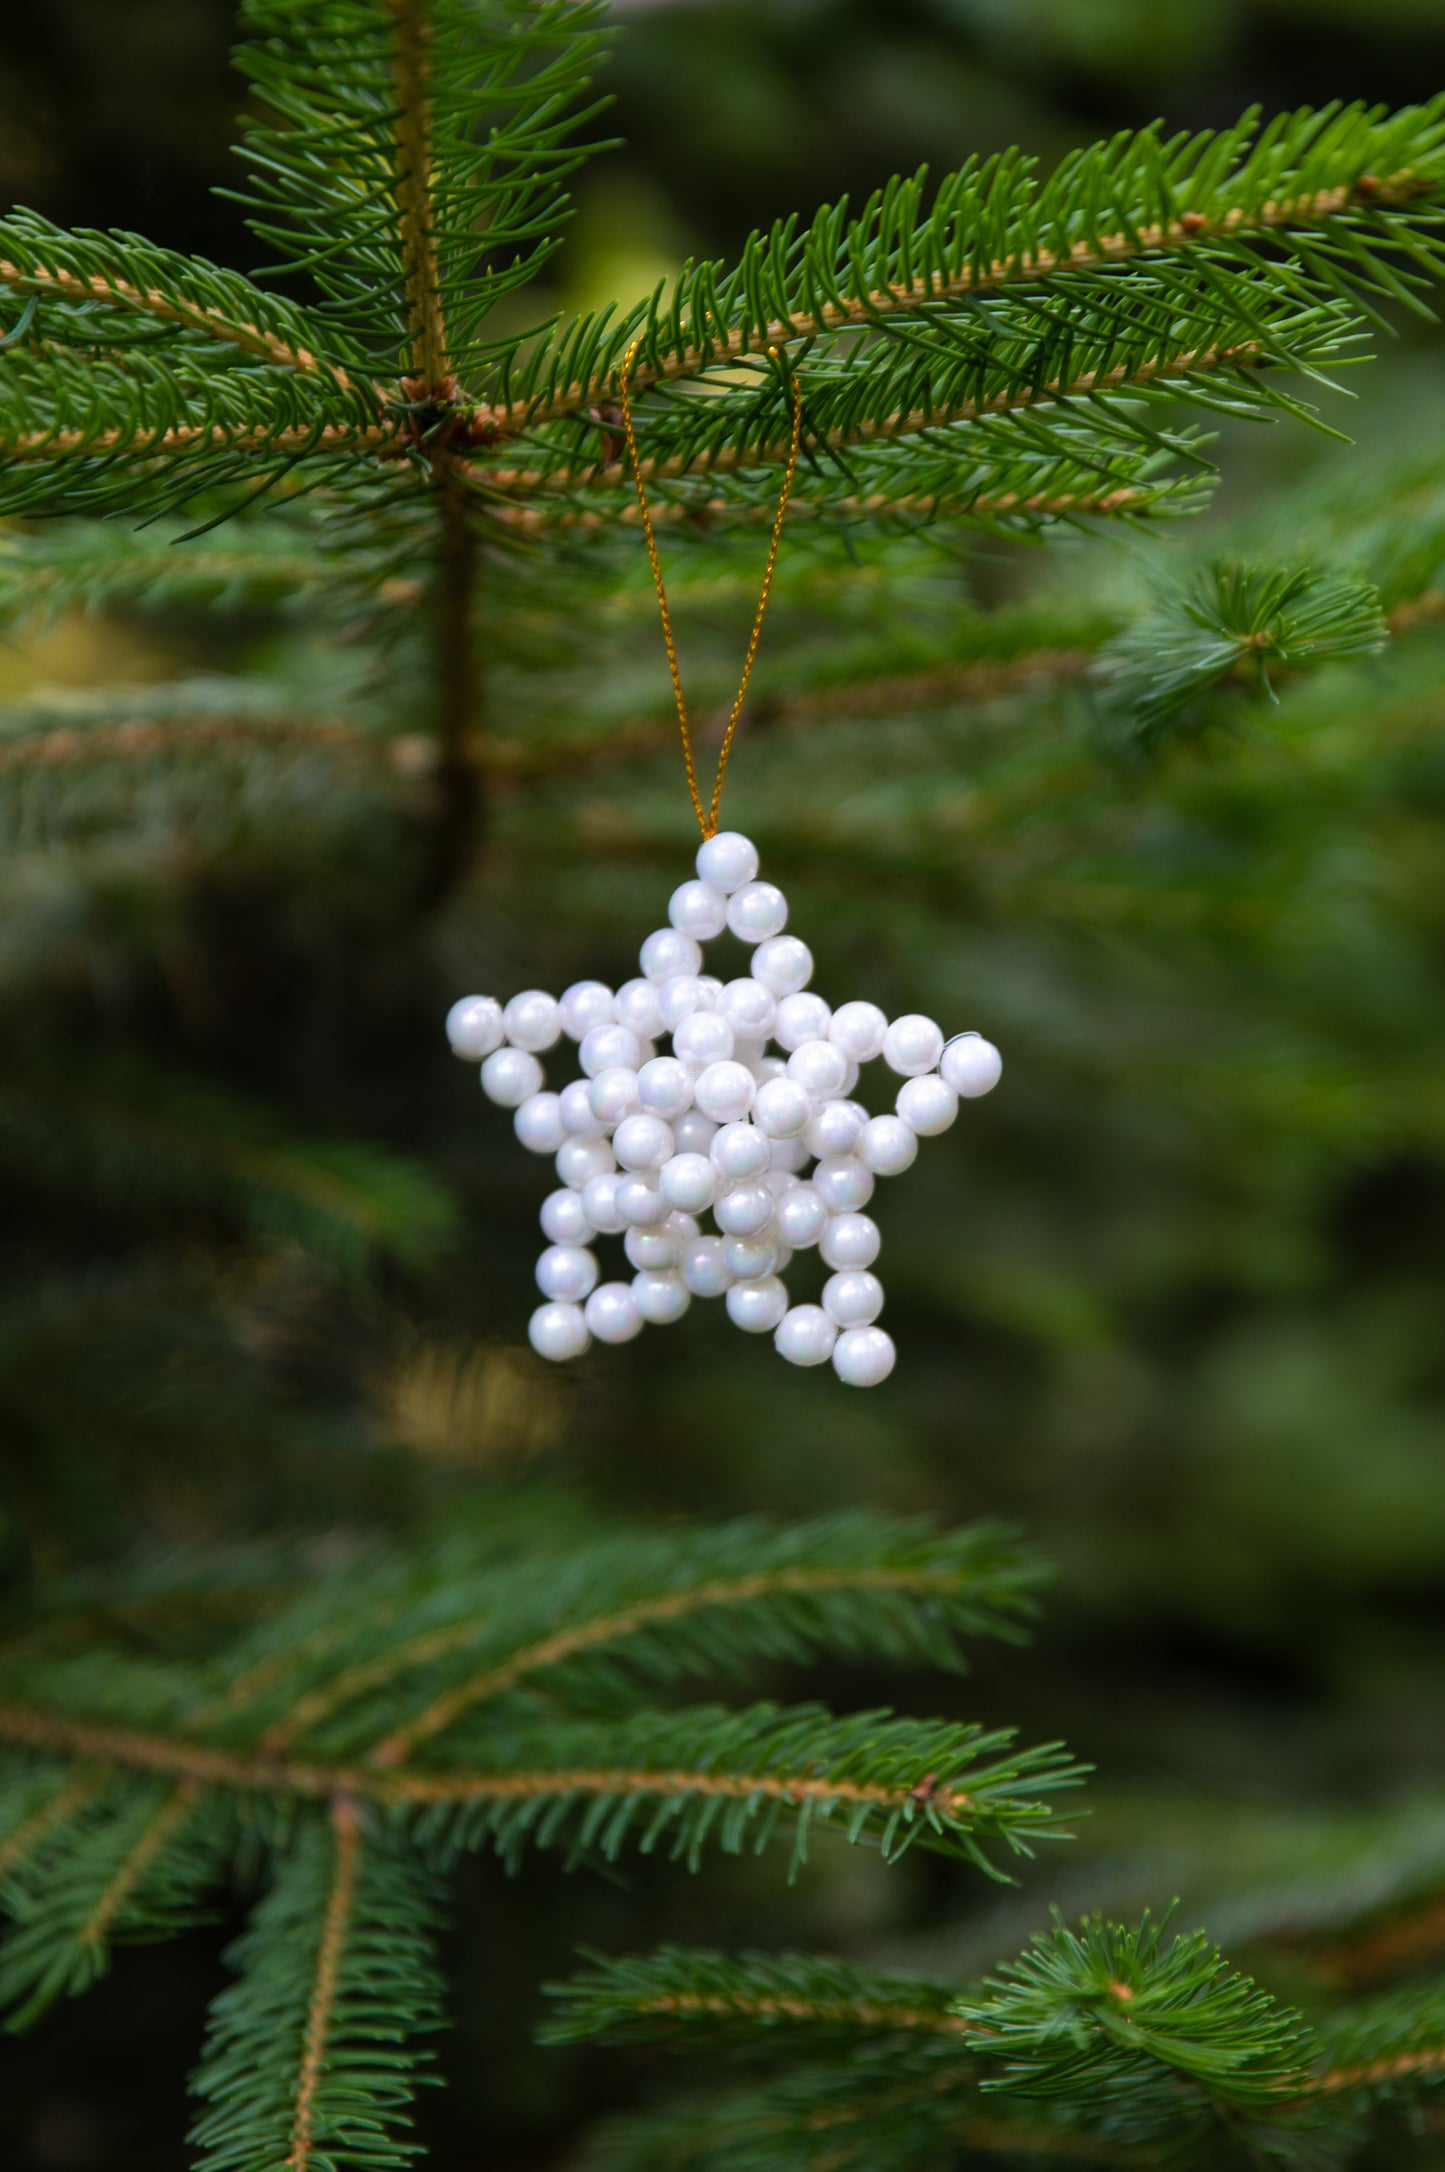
772, 1144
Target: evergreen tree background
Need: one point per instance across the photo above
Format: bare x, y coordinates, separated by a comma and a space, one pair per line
1173, 1302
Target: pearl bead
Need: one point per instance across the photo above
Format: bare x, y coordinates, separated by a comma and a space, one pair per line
783, 964
805, 1336
611, 1313
858, 1029
781, 1107
788, 1154
564, 1218
558, 1332
800, 1217
912, 1045
579, 1159
661, 1298
510, 1076
566, 1272
688, 1182
639, 1007
819, 1068
538, 1123
843, 1183
771, 1067
887, 1146
863, 1356
668, 952
751, 1257
599, 1200
778, 1180
664, 1087
971, 1065
702, 1037
533, 1020
853, 1299
698, 909
642, 1143
474, 1027
640, 1204
756, 911
660, 1246
757, 1307
684, 993
739, 1150
835, 1128
587, 1003
724, 1091
609, 1048
704, 1267
801, 1018
693, 1133
850, 1240
613, 1095
744, 1210
927, 1105
574, 1105
727, 860
749, 1009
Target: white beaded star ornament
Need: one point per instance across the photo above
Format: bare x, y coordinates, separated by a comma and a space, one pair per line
772, 1144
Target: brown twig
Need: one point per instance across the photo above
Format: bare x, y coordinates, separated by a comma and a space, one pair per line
172, 1813
340, 1907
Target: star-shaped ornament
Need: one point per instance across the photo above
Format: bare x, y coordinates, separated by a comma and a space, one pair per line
731, 1099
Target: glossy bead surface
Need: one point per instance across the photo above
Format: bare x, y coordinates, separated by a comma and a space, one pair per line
757, 911
726, 861
684, 993
664, 1087
801, 1017
805, 1336
611, 1313
599, 1200
558, 1332
567, 1272
788, 1154
835, 1128
724, 1091
662, 1245
693, 1133
579, 1159
850, 1240
639, 1204
609, 1048
668, 952
800, 1217
702, 1037
744, 1210
927, 1105
853, 1298
704, 1268
781, 1108
574, 1106
511, 1076
564, 1218
858, 1029
613, 1095
843, 1183
474, 1027
750, 1257
533, 1020
688, 1182
642, 1142
862, 1356
887, 1146
538, 1123
971, 1065
819, 1068
639, 1007
912, 1045
749, 1009
783, 963
698, 909
757, 1307
738, 1151
587, 1003
661, 1297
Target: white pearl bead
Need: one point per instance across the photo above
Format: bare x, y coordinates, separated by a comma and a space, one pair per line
611, 1313
664, 1087
801, 1018
750, 1053
757, 911
783, 963
724, 1091
850, 1240
788, 1154
727, 860
744, 1210
843, 1183
668, 952
510, 1076
835, 1128
533, 1020
912, 1044
751, 1257
778, 1180
587, 1003
642, 1143
781, 1108
574, 1106
661, 1298
770, 1067
698, 909
927, 1105
853, 1298
558, 1332
639, 1007
474, 1027
662, 1245
609, 1048
704, 1267
702, 1037
805, 1336
887, 1146
863, 1356
538, 1123
564, 1218
749, 1009
580, 1159
739, 1150
684, 993
688, 1182
566, 1272
819, 1068
971, 1065
613, 1095
858, 1029
599, 1200
800, 1217
757, 1307
693, 1133
639, 1203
